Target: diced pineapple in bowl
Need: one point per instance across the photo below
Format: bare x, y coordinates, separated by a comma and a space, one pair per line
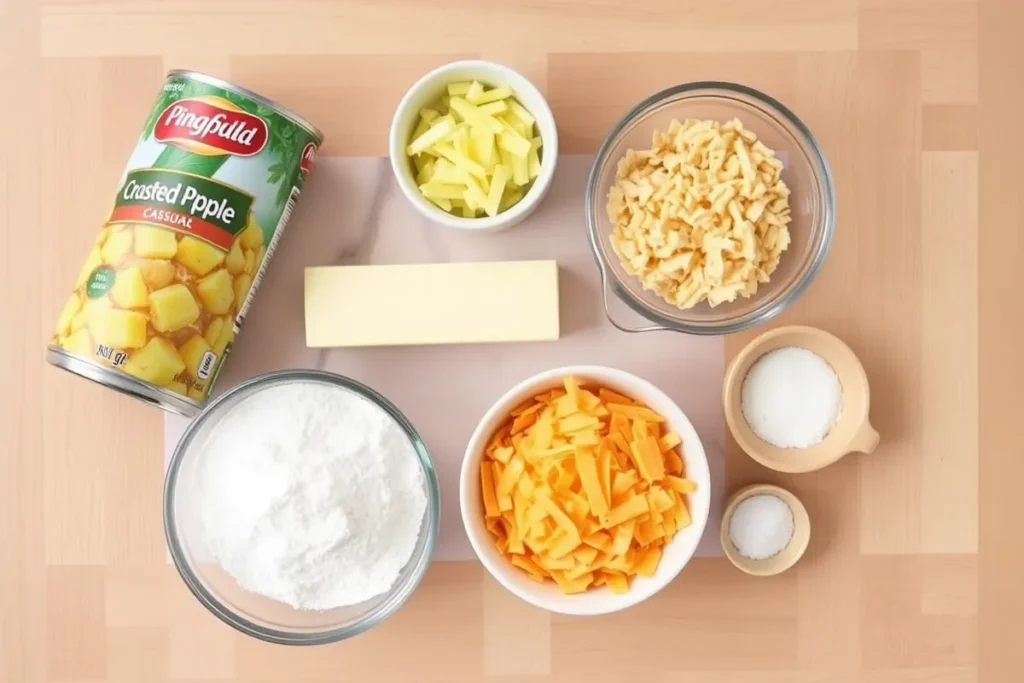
474, 146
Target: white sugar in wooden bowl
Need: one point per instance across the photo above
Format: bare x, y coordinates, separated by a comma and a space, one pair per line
791, 397
850, 431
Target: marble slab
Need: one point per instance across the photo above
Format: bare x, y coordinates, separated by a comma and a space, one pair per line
352, 212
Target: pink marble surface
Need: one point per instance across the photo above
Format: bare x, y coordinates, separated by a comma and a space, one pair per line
352, 212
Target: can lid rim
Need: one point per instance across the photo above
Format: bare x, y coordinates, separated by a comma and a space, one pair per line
121, 382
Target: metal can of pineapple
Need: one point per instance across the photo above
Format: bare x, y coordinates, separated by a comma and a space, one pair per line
199, 210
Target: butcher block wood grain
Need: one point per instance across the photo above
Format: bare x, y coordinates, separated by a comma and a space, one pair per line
914, 571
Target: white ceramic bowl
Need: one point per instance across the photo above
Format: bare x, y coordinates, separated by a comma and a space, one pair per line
601, 600
425, 92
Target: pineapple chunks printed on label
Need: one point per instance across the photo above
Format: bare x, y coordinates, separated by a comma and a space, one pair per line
170, 308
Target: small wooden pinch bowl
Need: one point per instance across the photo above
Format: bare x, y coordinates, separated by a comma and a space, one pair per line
851, 432
785, 558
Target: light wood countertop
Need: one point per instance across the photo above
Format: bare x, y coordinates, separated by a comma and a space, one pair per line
914, 575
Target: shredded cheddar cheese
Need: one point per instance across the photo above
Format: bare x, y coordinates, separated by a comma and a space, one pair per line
583, 488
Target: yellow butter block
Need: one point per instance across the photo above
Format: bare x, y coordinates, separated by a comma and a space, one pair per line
447, 303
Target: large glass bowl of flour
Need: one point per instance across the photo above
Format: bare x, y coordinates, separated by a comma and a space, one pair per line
301, 507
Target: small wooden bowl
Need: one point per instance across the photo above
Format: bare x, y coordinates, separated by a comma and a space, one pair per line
851, 432
776, 564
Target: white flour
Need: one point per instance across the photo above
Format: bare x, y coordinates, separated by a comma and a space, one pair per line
791, 397
311, 495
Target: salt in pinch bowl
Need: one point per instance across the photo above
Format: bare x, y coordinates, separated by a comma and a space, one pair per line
790, 554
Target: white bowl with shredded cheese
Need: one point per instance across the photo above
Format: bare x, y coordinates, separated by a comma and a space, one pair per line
676, 553
301, 507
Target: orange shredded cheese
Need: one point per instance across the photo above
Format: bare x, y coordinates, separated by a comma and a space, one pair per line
583, 486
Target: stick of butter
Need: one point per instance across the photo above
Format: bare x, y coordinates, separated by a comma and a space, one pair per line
444, 303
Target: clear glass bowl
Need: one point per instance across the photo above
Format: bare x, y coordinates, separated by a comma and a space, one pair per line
806, 172
255, 615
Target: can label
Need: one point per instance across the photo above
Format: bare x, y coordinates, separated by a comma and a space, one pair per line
198, 213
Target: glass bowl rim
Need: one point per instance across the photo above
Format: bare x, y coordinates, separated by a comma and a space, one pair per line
817, 258
431, 518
